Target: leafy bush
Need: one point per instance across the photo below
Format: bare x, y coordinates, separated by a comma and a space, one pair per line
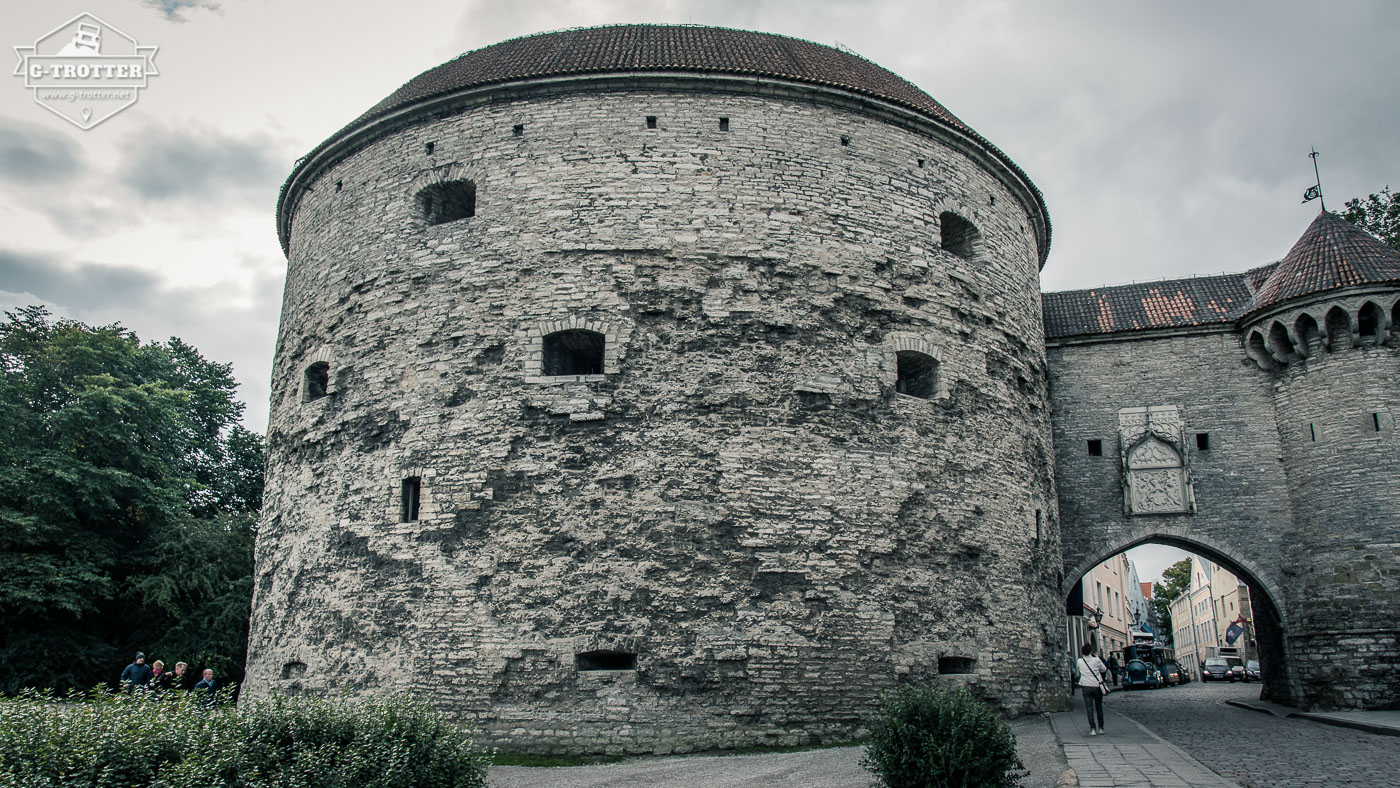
935, 737
176, 741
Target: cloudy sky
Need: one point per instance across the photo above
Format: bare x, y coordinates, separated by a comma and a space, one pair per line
1169, 139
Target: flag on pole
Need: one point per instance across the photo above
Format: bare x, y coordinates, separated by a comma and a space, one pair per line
1312, 193
1233, 633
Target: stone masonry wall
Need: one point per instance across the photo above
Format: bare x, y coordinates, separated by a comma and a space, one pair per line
1243, 516
741, 499
1336, 418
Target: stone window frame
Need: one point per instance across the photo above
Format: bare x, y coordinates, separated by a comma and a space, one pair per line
438, 176
426, 508
977, 244
534, 352
321, 355
1164, 426
899, 341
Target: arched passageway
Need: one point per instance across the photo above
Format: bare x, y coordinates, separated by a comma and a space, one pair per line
1269, 622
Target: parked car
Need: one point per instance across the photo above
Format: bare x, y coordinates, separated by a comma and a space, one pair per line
1215, 669
1171, 674
1251, 671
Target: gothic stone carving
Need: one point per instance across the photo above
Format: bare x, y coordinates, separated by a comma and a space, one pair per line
1155, 477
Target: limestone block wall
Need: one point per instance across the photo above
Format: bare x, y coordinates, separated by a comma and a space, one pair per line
1243, 511
1336, 418
741, 500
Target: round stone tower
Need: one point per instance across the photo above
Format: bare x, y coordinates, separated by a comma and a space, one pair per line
654, 388
1325, 322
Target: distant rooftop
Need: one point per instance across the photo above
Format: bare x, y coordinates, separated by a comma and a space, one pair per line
1332, 254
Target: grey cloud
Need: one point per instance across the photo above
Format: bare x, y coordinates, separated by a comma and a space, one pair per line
31, 154
201, 164
174, 10
224, 326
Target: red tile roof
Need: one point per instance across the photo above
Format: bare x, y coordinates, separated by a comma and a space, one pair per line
680, 48
1200, 301
1332, 254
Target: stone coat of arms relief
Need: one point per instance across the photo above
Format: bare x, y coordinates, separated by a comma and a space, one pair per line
1155, 477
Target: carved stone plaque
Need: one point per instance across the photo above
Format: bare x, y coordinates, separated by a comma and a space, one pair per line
1155, 477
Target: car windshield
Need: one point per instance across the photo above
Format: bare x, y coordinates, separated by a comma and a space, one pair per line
1252, 665
1214, 664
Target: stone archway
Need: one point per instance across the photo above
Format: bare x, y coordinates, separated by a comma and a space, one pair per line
1270, 622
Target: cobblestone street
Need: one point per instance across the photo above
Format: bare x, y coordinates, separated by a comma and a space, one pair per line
1259, 750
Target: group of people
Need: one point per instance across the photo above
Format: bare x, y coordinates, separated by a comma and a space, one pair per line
140, 676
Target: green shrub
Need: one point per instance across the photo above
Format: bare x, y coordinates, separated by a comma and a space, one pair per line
175, 741
939, 737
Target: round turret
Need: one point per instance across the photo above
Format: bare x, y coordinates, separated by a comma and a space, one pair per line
659, 388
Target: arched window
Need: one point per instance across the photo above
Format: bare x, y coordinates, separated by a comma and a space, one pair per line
1280, 344
447, 202
958, 235
1338, 329
1368, 322
1395, 317
917, 375
573, 352
1305, 328
316, 382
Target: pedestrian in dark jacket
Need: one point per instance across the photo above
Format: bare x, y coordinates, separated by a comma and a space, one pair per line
160, 680
137, 674
180, 680
205, 688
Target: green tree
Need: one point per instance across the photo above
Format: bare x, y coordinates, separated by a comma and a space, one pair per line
1378, 214
127, 500
1175, 580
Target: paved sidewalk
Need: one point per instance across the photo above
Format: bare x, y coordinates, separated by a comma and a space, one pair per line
1385, 723
1127, 754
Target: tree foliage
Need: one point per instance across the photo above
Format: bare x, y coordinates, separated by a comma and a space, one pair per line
127, 500
1378, 214
1176, 579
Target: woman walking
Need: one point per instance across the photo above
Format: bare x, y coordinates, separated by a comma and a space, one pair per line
1092, 685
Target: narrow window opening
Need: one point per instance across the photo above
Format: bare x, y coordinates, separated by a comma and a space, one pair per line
724, 124
410, 490
1038, 521
317, 384
604, 659
1368, 322
956, 665
428, 148
1096, 448
572, 352
1376, 421
339, 185
1203, 441
921, 164
917, 375
293, 670
992, 200
845, 140
447, 202
958, 235
651, 121
518, 129
1312, 432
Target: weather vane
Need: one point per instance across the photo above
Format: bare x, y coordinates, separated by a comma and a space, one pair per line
1315, 192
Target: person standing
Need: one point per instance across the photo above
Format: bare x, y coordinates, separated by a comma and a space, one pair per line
206, 687
1092, 683
1113, 668
180, 681
137, 674
160, 680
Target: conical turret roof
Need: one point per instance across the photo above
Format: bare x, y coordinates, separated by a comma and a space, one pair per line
1332, 254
